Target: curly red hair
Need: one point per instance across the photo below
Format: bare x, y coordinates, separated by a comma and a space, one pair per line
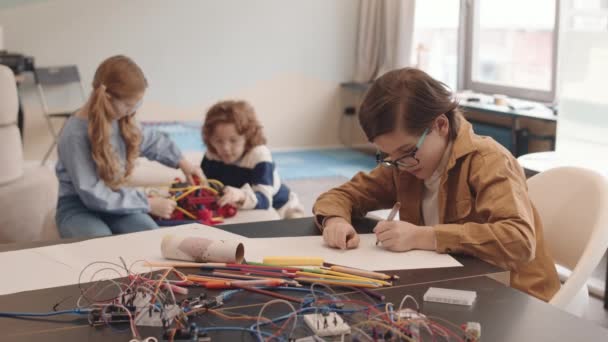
239, 113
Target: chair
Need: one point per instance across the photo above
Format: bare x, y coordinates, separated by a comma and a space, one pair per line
60, 80
573, 205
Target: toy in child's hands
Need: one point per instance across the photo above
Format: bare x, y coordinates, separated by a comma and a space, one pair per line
199, 202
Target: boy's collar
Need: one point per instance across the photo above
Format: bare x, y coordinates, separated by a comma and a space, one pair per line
463, 144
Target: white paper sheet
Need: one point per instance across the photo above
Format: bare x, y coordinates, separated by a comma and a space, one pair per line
27, 270
367, 255
61, 265
132, 247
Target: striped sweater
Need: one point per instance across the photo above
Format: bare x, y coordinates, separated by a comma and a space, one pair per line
255, 173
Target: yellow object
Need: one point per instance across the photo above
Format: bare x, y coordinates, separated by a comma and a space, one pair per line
336, 282
216, 182
360, 272
188, 192
328, 277
356, 277
293, 261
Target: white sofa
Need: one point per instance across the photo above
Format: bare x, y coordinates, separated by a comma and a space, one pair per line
28, 191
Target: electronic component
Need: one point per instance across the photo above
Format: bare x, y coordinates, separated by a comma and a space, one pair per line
156, 317
408, 313
204, 302
449, 296
472, 331
190, 333
109, 315
327, 324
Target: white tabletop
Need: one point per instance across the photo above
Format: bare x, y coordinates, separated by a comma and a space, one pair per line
543, 161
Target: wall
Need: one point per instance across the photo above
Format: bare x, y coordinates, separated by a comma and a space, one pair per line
286, 57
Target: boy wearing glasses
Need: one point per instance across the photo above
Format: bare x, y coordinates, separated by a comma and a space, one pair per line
460, 192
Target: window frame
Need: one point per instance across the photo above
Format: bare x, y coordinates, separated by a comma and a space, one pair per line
469, 18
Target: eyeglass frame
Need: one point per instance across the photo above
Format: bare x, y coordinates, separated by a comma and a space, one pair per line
130, 110
396, 163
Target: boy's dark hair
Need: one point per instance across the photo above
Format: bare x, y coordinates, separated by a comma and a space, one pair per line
409, 98
239, 113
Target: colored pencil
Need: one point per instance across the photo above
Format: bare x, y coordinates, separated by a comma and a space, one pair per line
347, 275
391, 216
360, 272
337, 282
327, 276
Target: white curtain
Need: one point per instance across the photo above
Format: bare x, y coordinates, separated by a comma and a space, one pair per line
384, 37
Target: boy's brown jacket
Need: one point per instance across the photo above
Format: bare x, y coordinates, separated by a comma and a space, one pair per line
483, 204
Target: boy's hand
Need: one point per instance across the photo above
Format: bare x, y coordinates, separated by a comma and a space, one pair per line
232, 195
161, 207
338, 233
401, 236
191, 171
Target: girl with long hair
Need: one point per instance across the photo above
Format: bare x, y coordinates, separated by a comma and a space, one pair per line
97, 151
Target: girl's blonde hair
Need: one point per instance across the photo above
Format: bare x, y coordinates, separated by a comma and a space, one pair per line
117, 77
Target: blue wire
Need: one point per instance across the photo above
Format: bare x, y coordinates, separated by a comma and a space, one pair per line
280, 318
45, 314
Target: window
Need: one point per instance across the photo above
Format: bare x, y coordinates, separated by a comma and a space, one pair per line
494, 46
512, 48
587, 15
435, 47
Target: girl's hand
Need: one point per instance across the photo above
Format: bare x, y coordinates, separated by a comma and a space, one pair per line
191, 171
232, 195
338, 233
401, 236
161, 207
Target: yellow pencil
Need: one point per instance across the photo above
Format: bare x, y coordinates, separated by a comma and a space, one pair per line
292, 261
337, 282
352, 276
327, 276
360, 272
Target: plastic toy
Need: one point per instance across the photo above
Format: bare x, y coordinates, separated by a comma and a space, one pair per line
199, 202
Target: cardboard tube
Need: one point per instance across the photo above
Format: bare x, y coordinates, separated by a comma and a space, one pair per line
198, 249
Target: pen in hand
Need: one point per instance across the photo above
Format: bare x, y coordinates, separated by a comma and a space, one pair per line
391, 216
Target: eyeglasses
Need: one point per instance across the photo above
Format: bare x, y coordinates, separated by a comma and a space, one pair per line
406, 161
126, 109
